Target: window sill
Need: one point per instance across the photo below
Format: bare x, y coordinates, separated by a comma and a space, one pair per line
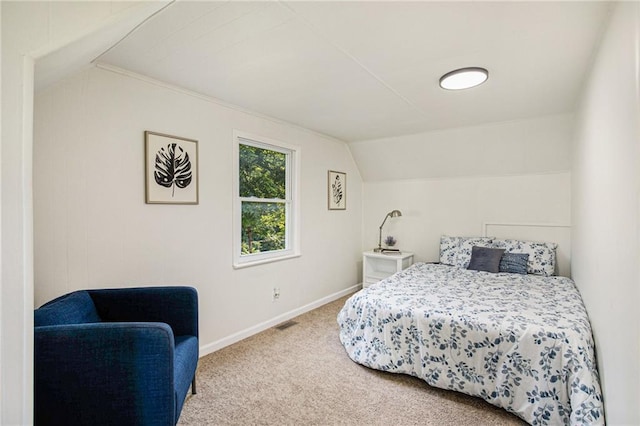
241, 265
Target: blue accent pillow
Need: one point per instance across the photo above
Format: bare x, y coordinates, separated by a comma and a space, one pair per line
485, 259
514, 263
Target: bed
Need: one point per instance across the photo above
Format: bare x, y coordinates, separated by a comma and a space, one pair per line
521, 341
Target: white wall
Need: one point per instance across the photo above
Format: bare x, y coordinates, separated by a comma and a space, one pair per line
460, 206
606, 212
537, 145
32, 30
93, 229
16, 282
452, 181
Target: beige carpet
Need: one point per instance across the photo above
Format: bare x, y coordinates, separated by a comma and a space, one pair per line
303, 376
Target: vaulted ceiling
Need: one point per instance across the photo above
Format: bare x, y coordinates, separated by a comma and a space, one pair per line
367, 70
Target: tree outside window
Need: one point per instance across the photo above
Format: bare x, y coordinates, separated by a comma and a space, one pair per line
265, 200
263, 189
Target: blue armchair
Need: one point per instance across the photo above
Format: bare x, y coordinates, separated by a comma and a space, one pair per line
115, 356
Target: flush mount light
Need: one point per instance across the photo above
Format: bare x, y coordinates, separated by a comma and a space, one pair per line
464, 78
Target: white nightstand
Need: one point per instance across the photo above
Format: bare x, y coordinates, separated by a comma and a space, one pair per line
378, 266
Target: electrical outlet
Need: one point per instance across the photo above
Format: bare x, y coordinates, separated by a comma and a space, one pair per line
276, 294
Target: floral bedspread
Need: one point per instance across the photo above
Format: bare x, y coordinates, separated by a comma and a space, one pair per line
521, 342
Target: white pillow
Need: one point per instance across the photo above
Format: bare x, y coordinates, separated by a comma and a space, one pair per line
542, 255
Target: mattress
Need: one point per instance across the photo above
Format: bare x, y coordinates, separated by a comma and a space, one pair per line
521, 342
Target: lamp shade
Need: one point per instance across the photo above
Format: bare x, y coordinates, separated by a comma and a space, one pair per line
395, 213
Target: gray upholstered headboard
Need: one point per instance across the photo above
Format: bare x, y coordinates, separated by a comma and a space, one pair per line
548, 232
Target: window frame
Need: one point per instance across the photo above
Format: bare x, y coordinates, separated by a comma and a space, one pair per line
292, 175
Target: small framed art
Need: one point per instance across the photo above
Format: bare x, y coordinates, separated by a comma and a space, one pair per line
171, 169
337, 190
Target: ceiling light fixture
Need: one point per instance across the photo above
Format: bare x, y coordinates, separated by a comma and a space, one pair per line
464, 78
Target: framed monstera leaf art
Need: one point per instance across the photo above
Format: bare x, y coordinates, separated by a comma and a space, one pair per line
171, 169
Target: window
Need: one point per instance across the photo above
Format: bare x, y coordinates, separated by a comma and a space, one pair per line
265, 209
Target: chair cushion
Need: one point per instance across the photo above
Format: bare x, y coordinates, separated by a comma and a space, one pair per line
185, 362
73, 308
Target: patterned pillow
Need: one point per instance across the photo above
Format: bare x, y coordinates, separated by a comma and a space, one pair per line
456, 251
514, 263
542, 256
449, 249
463, 256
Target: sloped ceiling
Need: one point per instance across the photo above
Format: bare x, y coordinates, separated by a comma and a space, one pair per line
367, 70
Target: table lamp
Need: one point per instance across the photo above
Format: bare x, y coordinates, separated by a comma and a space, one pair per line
393, 213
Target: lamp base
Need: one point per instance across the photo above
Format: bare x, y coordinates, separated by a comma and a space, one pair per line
378, 250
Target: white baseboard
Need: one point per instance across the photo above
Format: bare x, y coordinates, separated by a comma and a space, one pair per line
236, 337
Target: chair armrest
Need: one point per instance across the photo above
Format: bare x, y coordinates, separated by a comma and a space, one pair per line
176, 306
104, 373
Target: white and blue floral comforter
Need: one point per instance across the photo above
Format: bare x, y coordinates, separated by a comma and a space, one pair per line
521, 342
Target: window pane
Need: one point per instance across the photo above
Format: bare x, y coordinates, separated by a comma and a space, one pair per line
263, 227
262, 173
